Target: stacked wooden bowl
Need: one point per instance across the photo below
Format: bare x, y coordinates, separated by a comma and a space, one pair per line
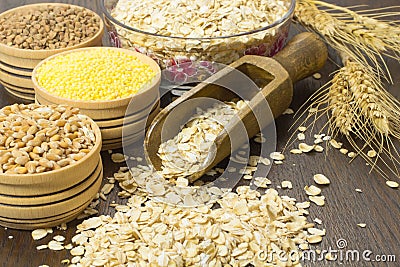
122, 120
30, 201
16, 64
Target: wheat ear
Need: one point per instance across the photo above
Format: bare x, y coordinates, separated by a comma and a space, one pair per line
359, 108
363, 37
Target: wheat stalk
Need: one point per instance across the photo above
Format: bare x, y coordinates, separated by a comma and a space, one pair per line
362, 37
359, 108
355, 100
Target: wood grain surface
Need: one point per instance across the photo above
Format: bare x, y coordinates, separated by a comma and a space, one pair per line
377, 206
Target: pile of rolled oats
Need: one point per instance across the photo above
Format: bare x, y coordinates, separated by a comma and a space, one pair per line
245, 227
200, 19
178, 194
156, 227
37, 138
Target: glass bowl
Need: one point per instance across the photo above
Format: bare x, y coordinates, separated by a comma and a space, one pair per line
200, 52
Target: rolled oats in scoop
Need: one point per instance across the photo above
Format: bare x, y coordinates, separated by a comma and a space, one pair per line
185, 154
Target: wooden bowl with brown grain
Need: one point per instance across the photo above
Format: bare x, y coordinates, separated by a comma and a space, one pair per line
17, 64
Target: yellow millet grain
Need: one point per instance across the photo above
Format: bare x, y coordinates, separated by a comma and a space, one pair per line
94, 75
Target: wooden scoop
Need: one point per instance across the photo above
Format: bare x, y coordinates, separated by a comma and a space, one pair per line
273, 80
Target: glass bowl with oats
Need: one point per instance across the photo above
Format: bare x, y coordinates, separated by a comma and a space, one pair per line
202, 31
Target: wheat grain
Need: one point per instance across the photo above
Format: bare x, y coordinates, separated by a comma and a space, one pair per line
340, 100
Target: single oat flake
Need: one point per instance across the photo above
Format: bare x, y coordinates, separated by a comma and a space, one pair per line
301, 136
318, 221
351, 154
55, 245
303, 205
318, 200
371, 153
318, 148
288, 111
313, 239
302, 129
316, 231
59, 238
77, 251
317, 76
305, 148
277, 156
329, 257
335, 144
321, 179
287, 184
118, 157
296, 151
39, 234
41, 247
312, 190
392, 184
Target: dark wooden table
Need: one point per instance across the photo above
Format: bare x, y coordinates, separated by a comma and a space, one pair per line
377, 206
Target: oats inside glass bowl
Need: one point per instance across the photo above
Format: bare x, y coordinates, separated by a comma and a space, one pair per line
178, 31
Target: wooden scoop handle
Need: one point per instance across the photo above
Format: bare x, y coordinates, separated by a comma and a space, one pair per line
304, 54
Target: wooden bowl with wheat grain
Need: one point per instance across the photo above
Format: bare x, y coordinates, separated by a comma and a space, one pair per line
55, 180
47, 199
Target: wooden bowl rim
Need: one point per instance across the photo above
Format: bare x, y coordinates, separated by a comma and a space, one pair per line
21, 96
128, 118
119, 140
44, 220
49, 198
16, 70
26, 63
65, 205
10, 75
26, 224
17, 88
49, 174
43, 53
102, 104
